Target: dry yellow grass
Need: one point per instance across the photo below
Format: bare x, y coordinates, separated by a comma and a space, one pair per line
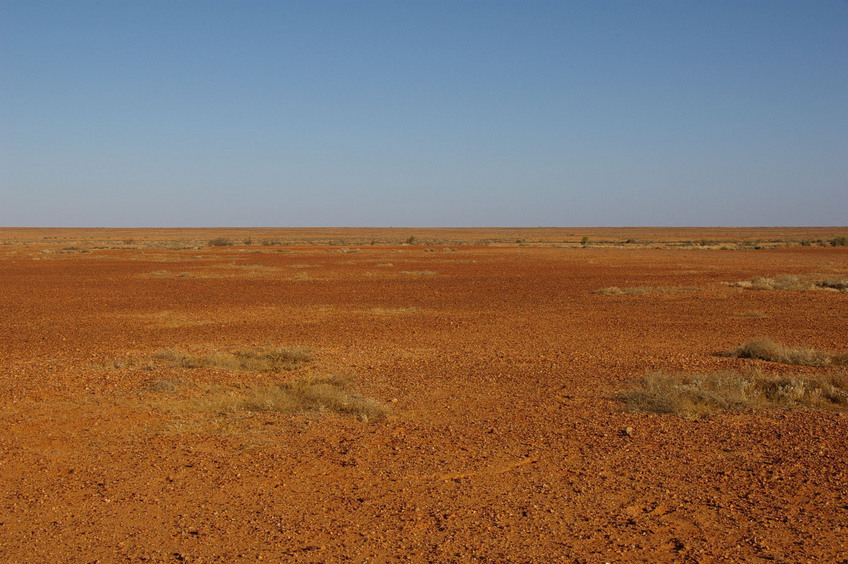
268, 359
260, 359
834, 283
304, 393
697, 395
785, 282
766, 349
307, 393
793, 282
754, 313
644, 290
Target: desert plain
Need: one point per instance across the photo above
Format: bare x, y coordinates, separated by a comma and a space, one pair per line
493, 363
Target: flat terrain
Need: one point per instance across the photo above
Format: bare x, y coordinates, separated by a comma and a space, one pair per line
496, 359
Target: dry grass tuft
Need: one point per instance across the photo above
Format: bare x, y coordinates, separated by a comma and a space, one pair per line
129, 364
785, 282
697, 395
304, 393
834, 283
268, 359
766, 349
644, 290
166, 386
308, 393
169, 274
221, 242
792, 282
264, 360
755, 313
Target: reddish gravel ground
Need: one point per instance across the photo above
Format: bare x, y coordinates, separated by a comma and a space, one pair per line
500, 366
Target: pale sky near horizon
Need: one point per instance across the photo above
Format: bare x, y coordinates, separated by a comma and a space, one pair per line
426, 113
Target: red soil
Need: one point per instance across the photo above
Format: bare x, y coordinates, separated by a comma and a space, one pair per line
504, 441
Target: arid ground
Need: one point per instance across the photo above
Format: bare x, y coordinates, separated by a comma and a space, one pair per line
494, 361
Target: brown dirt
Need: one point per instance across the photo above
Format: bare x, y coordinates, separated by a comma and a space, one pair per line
499, 362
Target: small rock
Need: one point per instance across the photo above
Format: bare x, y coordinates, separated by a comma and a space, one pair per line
628, 431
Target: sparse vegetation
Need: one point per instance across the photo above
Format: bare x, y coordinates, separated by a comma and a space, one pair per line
792, 282
269, 359
839, 242
304, 393
766, 349
221, 242
169, 274
307, 393
755, 313
643, 290
784, 282
833, 283
697, 395
585, 240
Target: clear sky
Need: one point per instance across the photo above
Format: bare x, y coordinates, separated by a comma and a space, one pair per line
423, 113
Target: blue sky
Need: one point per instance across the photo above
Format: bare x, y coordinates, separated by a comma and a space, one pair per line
427, 113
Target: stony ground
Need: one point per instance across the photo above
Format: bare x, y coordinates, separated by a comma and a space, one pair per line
500, 368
